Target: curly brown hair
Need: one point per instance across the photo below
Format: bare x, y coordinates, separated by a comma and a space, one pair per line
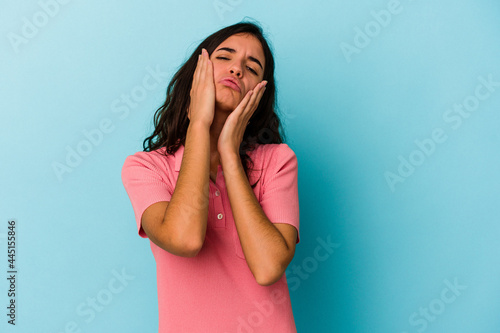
171, 121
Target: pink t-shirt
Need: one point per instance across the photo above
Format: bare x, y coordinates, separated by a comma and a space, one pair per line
216, 291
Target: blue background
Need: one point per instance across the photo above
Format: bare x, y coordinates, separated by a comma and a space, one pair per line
351, 118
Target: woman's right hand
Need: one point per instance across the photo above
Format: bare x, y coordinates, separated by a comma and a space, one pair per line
202, 104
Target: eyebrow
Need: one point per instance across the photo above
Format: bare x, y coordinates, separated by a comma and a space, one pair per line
230, 50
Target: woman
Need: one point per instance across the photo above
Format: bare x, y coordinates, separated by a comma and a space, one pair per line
215, 191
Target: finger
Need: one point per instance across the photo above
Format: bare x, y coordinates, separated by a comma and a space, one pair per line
245, 101
261, 91
198, 64
242, 105
210, 67
254, 100
202, 66
196, 77
260, 94
209, 75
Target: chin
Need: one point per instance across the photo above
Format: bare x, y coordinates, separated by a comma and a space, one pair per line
227, 102
225, 107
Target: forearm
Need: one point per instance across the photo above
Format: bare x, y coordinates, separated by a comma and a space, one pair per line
264, 246
186, 216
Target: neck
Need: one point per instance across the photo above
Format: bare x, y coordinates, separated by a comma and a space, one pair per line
215, 129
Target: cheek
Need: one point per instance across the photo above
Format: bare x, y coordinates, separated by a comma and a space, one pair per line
253, 85
216, 68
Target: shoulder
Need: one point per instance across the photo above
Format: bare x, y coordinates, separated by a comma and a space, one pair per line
143, 161
276, 152
273, 151
274, 157
140, 157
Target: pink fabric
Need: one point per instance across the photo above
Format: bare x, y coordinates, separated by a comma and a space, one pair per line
216, 291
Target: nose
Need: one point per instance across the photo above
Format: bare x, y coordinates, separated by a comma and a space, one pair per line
235, 69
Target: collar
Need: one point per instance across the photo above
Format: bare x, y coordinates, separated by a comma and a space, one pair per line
180, 152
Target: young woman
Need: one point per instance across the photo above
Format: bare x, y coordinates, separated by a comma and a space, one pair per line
215, 191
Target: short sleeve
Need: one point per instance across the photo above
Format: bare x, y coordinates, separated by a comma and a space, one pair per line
280, 196
144, 185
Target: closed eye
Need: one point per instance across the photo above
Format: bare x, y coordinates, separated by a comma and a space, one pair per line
252, 70
249, 68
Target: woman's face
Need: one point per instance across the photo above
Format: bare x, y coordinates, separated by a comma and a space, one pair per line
238, 64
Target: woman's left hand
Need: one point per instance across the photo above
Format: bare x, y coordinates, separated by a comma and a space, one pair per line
232, 133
